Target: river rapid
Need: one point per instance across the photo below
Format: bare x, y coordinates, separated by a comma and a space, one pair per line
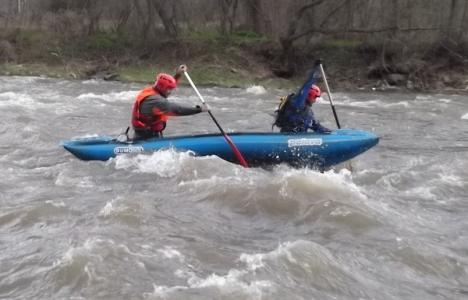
169, 225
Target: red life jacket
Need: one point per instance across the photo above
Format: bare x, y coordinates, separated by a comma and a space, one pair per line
157, 122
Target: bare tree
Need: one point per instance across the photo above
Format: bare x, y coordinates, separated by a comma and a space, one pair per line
290, 22
166, 12
144, 17
228, 15
260, 23
464, 23
122, 16
287, 56
94, 13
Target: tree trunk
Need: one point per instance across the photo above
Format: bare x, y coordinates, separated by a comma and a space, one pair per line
94, 15
396, 14
228, 15
464, 22
147, 15
259, 23
144, 17
223, 18
123, 17
167, 15
287, 57
349, 17
450, 21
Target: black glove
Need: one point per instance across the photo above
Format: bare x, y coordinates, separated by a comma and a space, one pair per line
317, 127
325, 130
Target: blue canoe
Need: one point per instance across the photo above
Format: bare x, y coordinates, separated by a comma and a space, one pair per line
259, 149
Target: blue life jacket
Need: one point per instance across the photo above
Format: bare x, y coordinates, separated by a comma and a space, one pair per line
294, 114
290, 118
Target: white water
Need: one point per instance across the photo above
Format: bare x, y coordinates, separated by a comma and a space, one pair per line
172, 226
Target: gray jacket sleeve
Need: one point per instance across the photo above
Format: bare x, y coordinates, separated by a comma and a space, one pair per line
166, 107
179, 110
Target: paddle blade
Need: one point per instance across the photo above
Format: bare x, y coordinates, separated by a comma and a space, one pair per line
236, 151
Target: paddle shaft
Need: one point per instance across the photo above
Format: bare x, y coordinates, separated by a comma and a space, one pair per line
330, 96
231, 144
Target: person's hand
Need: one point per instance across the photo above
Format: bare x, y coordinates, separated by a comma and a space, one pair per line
181, 69
203, 107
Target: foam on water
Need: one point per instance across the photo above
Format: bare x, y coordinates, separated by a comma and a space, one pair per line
85, 262
170, 253
259, 260
57, 204
124, 96
64, 179
306, 263
164, 163
284, 191
31, 103
256, 90
444, 100
225, 286
107, 209
452, 179
422, 192
307, 255
85, 136
92, 82
373, 104
20, 79
422, 97
237, 281
70, 255
18, 99
309, 180
465, 116
219, 99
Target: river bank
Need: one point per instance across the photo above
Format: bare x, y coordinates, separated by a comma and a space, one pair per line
233, 62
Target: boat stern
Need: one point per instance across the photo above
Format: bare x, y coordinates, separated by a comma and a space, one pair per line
91, 148
357, 142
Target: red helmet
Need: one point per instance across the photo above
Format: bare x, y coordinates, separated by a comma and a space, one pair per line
165, 83
314, 92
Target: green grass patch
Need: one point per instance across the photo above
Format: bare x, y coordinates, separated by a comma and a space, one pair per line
343, 44
247, 37
27, 38
236, 37
39, 69
201, 35
36, 45
107, 41
136, 73
201, 74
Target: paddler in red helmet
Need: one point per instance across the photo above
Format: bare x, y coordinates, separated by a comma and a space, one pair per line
152, 109
295, 114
